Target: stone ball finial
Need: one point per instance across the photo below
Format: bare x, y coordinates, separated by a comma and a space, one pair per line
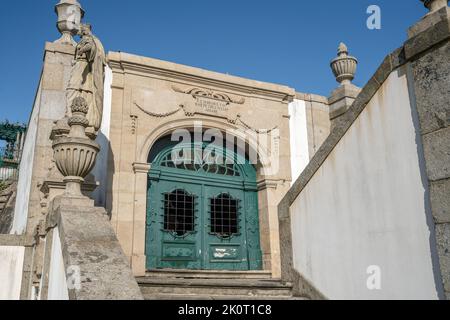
435, 5
344, 66
69, 14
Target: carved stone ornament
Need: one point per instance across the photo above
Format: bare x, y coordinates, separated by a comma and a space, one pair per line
344, 66
87, 76
199, 102
75, 154
69, 14
210, 94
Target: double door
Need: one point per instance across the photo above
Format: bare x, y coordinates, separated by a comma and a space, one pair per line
202, 224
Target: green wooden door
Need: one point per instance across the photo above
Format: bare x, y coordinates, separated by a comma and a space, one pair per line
202, 211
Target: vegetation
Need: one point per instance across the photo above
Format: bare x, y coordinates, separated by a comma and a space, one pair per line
3, 186
8, 131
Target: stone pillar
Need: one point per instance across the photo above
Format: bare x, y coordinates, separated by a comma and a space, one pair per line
138, 259
88, 242
428, 49
341, 99
50, 106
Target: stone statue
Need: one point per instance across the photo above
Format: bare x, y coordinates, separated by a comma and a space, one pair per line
88, 76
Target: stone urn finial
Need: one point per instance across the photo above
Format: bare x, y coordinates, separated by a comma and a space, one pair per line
69, 14
75, 154
344, 66
435, 5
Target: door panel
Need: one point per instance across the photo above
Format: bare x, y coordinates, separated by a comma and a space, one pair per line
166, 247
224, 229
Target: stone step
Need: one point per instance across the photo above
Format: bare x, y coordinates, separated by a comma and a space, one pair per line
4, 198
228, 288
194, 297
209, 274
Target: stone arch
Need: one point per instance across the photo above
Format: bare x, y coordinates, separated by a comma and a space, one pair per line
266, 186
167, 128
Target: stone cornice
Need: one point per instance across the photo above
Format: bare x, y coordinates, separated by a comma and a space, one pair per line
310, 97
9, 240
131, 64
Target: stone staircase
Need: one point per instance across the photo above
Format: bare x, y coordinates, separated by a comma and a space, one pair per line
7, 196
213, 285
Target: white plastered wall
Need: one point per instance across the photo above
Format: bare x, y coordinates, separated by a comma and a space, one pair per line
11, 265
26, 170
298, 138
365, 207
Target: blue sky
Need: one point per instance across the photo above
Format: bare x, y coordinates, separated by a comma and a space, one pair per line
289, 42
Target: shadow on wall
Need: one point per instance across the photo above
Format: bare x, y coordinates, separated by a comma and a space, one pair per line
426, 187
104, 172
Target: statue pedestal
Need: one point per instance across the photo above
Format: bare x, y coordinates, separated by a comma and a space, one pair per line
54, 187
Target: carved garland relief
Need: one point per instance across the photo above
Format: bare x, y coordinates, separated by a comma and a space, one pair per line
205, 102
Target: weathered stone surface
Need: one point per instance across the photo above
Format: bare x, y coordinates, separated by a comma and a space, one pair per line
89, 242
341, 99
10, 240
437, 154
428, 21
50, 105
285, 241
443, 245
225, 287
440, 200
432, 89
427, 39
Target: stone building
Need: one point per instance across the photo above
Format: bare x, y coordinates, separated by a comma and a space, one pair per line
212, 185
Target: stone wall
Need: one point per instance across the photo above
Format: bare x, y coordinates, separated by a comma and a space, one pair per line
430, 75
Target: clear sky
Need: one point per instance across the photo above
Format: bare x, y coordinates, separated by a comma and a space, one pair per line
289, 42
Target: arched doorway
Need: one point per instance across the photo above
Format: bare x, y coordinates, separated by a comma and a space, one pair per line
202, 209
